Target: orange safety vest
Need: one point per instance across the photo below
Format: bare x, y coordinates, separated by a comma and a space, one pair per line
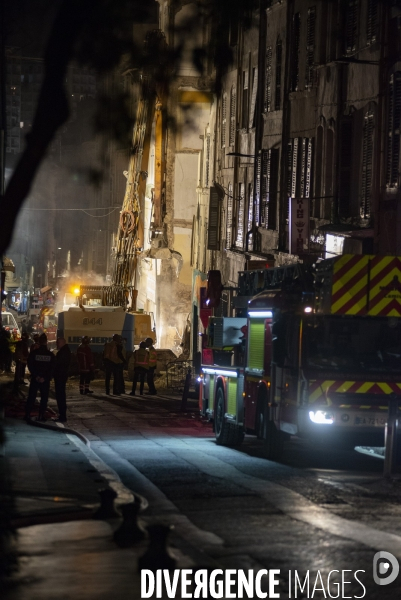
141, 357
152, 357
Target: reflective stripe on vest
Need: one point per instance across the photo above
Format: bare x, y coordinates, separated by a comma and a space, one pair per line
152, 357
141, 357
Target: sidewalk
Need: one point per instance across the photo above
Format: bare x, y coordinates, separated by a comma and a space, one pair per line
54, 478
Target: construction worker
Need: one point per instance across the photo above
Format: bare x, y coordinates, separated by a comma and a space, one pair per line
61, 371
141, 366
41, 365
152, 366
121, 365
86, 366
114, 361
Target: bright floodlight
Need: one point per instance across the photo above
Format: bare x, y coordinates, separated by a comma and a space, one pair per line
76, 291
266, 314
308, 309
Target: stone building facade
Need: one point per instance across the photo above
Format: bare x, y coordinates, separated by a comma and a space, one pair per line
309, 109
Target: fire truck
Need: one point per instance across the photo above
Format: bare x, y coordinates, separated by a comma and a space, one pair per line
317, 355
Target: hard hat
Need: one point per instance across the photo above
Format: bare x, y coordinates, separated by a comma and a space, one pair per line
142, 345
85, 339
148, 341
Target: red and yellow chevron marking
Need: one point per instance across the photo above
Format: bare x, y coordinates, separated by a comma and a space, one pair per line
367, 285
320, 390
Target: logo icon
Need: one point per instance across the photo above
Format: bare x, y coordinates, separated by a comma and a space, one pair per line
385, 563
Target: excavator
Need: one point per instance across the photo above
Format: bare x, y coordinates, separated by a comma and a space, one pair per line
102, 311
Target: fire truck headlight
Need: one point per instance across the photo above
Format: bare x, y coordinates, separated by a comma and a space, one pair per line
308, 309
321, 417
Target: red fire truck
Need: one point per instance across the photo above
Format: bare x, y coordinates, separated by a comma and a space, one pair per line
317, 355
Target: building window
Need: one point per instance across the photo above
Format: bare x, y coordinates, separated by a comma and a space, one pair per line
250, 207
223, 120
393, 131
317, 201
241, 216
310, 46
267, 100
269, 188
233, 106
279, 58
207, 160
257, 198
264, 186
345, 172
296, 33
371, 28
245, 96
351, 26
299, 168
229, 216
367, 165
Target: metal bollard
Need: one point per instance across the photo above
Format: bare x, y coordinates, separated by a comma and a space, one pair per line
130, 531
158, 555
186, 390
392, 458
106, 509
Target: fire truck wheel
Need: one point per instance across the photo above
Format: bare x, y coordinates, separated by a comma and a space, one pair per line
227, 434
274, 442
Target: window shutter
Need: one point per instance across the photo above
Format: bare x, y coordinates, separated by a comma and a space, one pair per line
344, 199
310, 46
233, 102
256, 344
279, 57
273, 188
308, 166
229, 216
223, 121
245, 100
267, 100
213, 224
351, 26
257, 200
367, 164
241, 216
289, 174
296, 33
294, 167
250, 207
253, 99
207, 161
371, 29
394, 123
265, 188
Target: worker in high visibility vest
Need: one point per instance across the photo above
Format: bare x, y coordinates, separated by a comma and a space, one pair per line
141, 362
152, 366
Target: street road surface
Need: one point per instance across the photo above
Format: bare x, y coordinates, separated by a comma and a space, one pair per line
318, 510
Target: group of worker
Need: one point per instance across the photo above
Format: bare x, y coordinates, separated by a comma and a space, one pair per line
144, 365
44, 365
